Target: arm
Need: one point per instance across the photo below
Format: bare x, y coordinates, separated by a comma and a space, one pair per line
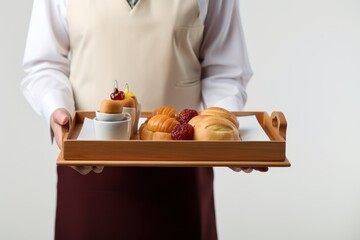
225, 65
46, 85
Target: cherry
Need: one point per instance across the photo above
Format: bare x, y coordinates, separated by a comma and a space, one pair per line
116, 94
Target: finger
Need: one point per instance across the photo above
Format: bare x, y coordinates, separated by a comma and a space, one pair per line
98, 169
83, 170
58, 135
247, 170
262, 169
236, 169
61, 117
239, 169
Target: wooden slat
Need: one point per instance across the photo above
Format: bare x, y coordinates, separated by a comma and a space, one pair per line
174, 150
109, 163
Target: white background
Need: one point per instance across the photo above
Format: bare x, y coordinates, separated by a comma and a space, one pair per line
306, 59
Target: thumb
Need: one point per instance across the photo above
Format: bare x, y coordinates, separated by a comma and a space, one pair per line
61, 117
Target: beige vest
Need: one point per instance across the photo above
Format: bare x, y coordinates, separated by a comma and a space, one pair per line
154, 47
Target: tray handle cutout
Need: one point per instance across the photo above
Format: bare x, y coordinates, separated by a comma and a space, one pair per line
279, 122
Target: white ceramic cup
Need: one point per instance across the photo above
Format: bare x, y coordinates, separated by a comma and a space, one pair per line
134, 117
138, 115
113, 130
110, 116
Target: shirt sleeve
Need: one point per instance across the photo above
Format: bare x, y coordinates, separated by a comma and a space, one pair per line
46, 85
225, 64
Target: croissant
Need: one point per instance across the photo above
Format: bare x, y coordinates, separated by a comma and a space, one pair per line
207, 127
221, 112
165, 110
158, 127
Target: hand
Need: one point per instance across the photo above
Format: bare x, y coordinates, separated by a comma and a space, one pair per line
84, 170
249, 170
59, 118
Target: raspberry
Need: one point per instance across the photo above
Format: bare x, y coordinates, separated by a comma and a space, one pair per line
186, 115
183, 132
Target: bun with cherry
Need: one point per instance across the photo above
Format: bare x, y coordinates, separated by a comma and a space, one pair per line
111, 106
126, 97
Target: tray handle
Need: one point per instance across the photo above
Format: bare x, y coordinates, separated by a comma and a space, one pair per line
279, 122
65, 131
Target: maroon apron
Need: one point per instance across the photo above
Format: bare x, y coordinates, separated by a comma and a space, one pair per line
136, 203
155, 44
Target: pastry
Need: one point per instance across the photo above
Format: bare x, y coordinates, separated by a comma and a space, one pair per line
158, 127
165, 110
211, 124
221, 112
209, 127
111, 106
129, 102
126, 97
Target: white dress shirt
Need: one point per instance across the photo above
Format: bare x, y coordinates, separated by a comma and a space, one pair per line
225, 65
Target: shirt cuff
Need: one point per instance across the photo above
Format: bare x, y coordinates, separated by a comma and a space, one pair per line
231, 103
54, 100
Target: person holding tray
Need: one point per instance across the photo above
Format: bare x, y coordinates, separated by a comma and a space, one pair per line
181, 53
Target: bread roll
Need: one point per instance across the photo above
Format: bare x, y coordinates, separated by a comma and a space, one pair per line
165, 110
162, 123
207, 128
221, 112
146, 134
158, 127
111, 106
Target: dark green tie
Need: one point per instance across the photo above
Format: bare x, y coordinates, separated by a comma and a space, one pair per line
132, 3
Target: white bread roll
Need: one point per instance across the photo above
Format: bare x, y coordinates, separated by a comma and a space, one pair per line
212, 128
221, 112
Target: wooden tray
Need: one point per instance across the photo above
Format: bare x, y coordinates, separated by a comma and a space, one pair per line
136, 152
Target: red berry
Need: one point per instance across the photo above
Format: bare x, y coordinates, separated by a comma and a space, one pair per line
119, 95
183, 132
186, 115
112, 96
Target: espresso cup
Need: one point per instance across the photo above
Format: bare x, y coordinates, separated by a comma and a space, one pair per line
113, 130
